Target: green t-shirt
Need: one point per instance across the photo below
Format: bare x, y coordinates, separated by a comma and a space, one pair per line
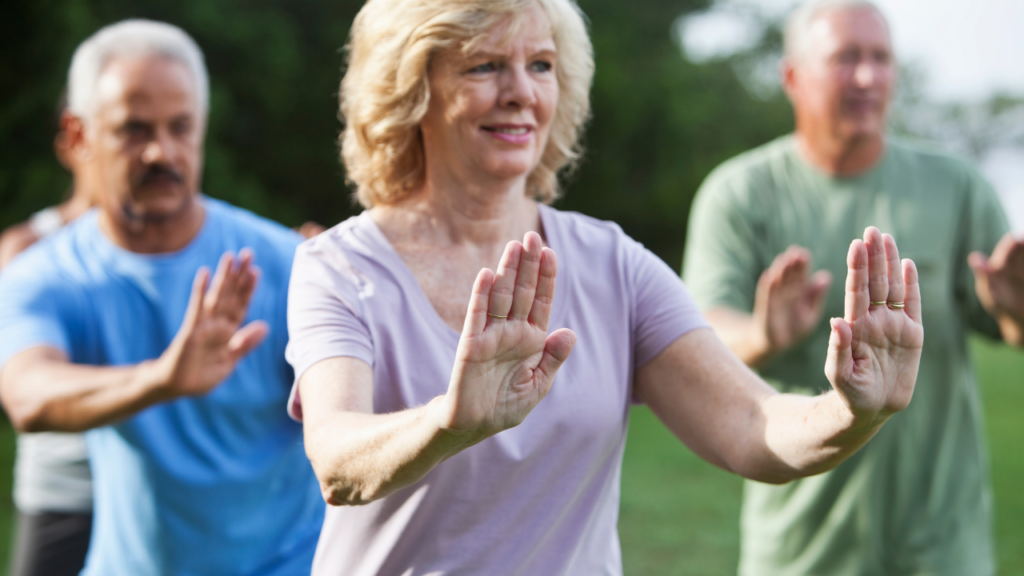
915, 500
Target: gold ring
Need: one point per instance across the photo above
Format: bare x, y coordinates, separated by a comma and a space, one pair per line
895, 305
496, 316
873, 303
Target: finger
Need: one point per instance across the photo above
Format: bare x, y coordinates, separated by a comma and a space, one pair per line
247, 338
557, 347
195, 300
1001, 253
220, 278
794, 274
476, 313
818, 287
839, 361
912, 298
857, 298
896, 291
878, 282
540, 314
246, 288
231, 291
505, 280
526, 277
237, 288
978, 262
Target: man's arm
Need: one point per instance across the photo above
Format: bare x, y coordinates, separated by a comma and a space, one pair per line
788, 305
732, 418
999, 284
42, 390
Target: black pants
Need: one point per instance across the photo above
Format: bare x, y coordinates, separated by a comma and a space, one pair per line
50, 544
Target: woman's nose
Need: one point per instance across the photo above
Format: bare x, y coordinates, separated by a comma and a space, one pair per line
517, 88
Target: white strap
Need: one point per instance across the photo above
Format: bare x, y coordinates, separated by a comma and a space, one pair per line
45, 222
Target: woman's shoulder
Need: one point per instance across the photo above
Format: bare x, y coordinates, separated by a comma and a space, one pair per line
579, 231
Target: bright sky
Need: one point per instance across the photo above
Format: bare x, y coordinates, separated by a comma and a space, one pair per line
968, 48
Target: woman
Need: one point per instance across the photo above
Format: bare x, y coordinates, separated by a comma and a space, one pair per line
460, 113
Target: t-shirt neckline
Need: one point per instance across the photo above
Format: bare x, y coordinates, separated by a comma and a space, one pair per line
163, 259
842, 181
400, 267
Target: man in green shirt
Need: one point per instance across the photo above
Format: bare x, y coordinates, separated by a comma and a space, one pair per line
915, 500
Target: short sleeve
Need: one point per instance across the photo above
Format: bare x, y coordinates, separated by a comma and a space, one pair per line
720, 266
663, 308
984, 225
325, 317
31, 311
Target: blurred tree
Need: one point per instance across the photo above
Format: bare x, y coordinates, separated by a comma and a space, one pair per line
660, 122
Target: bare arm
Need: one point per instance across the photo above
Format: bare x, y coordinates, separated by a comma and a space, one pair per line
42, 390
14, 241
503, 368
733, 419
788, 304
999, 283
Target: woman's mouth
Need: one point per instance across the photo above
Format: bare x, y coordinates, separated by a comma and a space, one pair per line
510, 133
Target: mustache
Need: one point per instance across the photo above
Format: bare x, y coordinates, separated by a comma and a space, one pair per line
156, 171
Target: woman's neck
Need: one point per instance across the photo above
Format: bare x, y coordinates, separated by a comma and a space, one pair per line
446, 214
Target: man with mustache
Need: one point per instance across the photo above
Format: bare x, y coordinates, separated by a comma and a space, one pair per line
116, 325
915, 499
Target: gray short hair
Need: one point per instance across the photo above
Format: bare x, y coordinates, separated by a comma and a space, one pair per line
798, 25
134, 37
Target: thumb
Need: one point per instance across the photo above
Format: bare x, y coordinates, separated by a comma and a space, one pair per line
556, 351
246, 338
978, 263
839, 362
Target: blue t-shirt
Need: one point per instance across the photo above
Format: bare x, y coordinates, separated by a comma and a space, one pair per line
217, 484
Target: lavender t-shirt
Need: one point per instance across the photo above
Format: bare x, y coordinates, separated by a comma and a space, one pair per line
541, 498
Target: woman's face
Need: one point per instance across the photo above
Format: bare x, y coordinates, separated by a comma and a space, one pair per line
490, 109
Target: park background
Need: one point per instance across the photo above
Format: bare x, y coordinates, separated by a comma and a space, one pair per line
681, 85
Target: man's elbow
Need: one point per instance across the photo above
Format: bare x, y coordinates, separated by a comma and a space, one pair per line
25, 415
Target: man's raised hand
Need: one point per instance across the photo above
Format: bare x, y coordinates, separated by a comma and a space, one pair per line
506, 360
999, 283
874, 352
789, 303
210, 343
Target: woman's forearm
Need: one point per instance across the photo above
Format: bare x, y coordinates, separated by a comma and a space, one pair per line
805, 435
359, 458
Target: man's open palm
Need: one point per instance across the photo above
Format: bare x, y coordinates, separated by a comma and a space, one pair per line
999, 278
210, 343
789, 302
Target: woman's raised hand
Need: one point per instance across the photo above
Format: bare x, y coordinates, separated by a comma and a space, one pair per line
506, 359
874, 352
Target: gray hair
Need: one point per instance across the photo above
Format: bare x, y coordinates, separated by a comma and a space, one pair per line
798, 25
134, 37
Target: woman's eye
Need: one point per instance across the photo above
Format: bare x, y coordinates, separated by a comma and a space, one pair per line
483, 68
541, 66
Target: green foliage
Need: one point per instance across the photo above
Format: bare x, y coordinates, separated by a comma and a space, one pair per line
680, 515
660, 123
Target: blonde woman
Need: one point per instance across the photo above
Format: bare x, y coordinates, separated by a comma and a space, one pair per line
442, 438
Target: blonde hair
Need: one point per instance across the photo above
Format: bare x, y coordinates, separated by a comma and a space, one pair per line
384, 93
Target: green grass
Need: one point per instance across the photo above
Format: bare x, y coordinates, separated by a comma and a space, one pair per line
680, 515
